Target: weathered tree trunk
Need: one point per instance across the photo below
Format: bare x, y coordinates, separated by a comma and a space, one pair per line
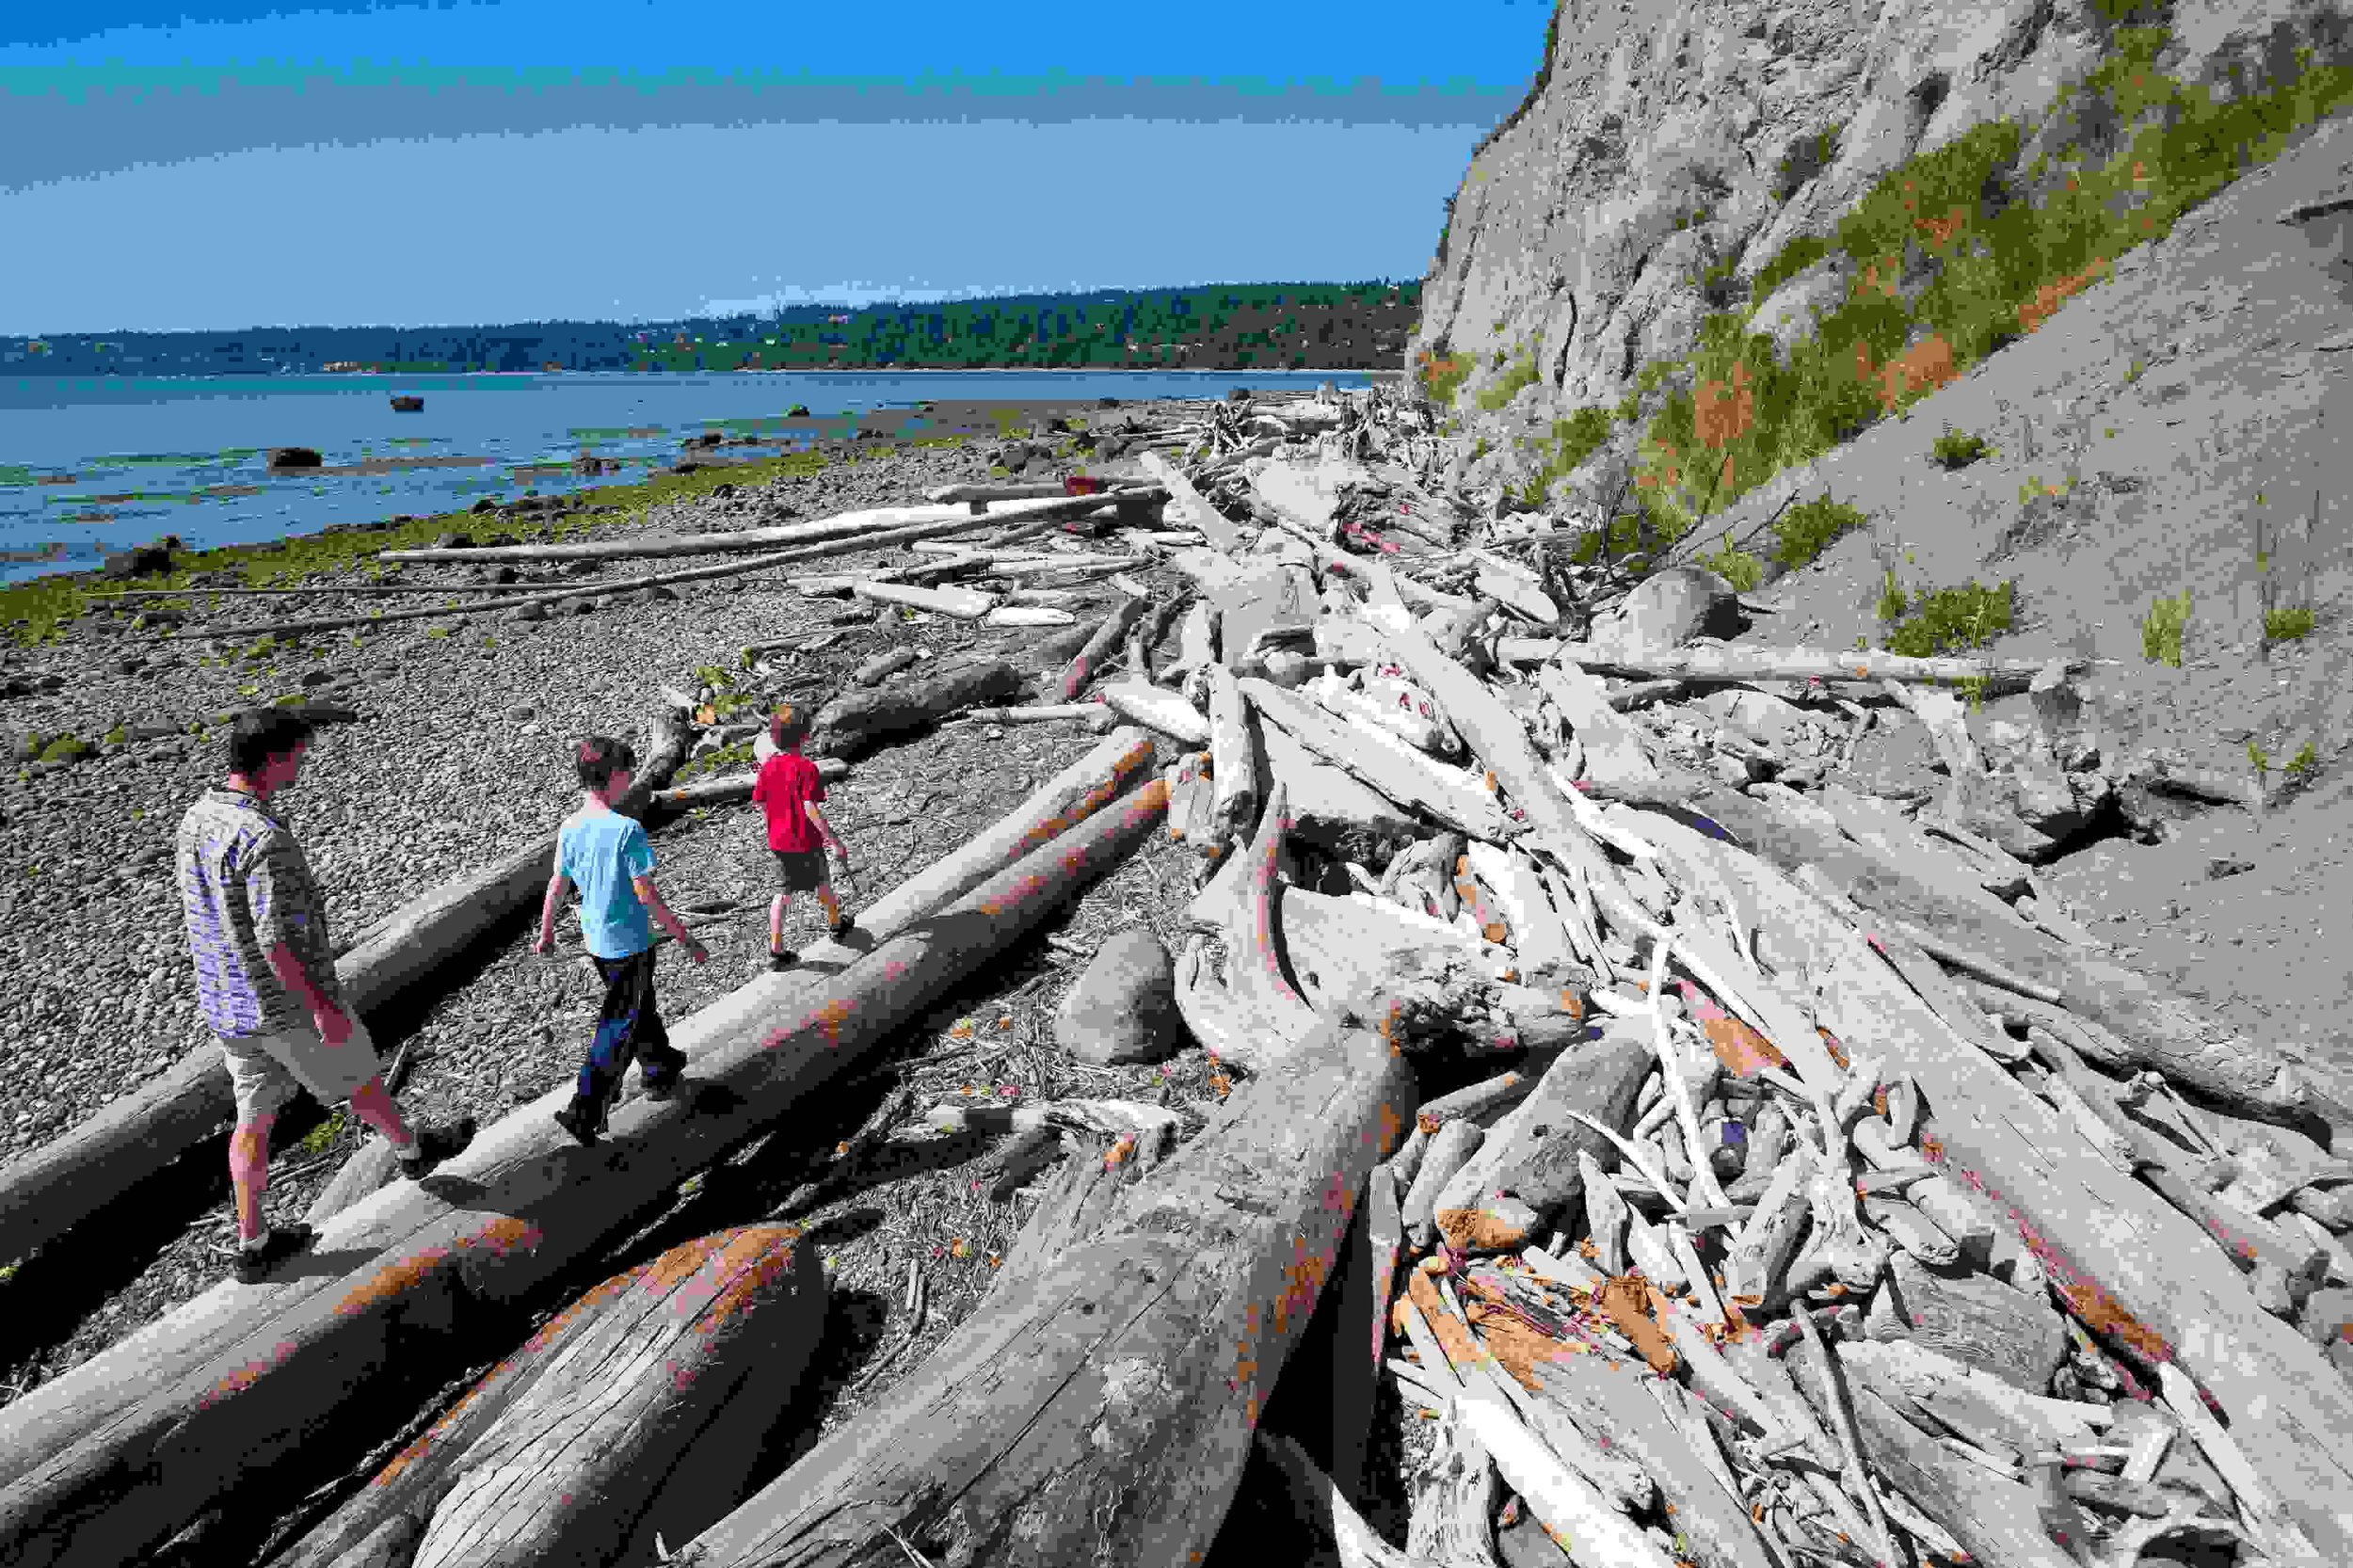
1777, 663
2126, 1263
1531, 1155
955, 603
1108, 636
1155, 708
1447, 795
1122, 758
112, 1458
878, 525
641, 1407
856, 719
2166, 1031
1188, 509
691, 574
48, 1192
733, 789
1098, 1411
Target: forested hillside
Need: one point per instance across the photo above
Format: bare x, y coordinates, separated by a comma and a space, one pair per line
1213, 326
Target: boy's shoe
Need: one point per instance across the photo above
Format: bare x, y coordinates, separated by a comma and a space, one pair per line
841, 928
278, 1243
434, 1144
780, 959
580, 1121
664, 1072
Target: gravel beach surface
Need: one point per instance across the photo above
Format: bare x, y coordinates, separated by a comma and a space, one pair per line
458, 756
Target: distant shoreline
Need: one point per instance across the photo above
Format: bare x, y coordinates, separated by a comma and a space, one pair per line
747, 370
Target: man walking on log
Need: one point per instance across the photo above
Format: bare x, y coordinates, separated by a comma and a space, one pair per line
265, 978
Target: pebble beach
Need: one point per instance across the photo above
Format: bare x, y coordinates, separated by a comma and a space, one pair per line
458, 755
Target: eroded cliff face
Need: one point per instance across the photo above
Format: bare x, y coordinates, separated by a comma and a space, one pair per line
1674, 149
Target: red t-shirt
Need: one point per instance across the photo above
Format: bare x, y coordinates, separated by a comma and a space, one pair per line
788, 781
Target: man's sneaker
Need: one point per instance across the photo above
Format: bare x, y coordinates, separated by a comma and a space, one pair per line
434, 1144
841, 928
780, 959
278, 1243
580, 1121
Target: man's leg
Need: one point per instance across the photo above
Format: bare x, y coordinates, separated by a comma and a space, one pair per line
249, 1170
374, 1104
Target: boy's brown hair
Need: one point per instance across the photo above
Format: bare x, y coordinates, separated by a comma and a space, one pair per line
788, 727
596, 759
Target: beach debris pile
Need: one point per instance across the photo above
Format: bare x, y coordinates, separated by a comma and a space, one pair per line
1720, 1165
1843, 1199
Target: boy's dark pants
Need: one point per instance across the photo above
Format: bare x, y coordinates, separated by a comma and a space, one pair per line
628, 1028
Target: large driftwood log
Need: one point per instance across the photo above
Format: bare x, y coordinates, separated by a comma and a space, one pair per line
1448, 795
1089, 661
2165, 1030
693, 574
1531, 1156
1187, 509
112, 1458
856, 719
1619, 1406
1098, 1409
875, 522
1164, 711
2002, 676
2126, 1262
955, 603
640, 1408
1121, 759
55, 1187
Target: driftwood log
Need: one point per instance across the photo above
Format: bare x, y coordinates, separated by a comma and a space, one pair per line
856, 720
55, 1187
1397, 772
2001, 676
691, 574
638, 1409
2165, 1030
1187, 509
1088, 663
2144, 1276
877, 522
1098, 1409
114, 1457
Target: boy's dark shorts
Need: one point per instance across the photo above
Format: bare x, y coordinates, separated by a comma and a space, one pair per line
799, 871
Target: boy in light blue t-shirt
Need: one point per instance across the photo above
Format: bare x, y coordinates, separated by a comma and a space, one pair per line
606, 856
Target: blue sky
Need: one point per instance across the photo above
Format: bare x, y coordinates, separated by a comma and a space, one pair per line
213, 164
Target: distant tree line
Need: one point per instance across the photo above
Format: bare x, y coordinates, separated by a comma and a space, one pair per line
1219, 326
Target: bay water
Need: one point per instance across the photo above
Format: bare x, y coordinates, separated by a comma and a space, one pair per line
94, 464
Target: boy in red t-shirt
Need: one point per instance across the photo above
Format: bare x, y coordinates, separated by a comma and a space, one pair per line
788, 789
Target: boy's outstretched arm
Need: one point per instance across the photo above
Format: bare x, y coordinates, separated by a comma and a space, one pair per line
662, 917
832, 838
559, 888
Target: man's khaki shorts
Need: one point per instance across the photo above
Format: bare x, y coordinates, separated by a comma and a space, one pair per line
266, 1070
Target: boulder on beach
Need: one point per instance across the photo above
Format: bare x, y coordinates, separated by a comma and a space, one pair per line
295, 457
1123, 1006
709, 438
146, 558
1670, 608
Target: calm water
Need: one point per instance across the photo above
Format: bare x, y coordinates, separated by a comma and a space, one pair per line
92, 465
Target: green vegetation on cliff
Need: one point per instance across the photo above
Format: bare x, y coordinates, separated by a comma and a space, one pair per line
1953, 255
